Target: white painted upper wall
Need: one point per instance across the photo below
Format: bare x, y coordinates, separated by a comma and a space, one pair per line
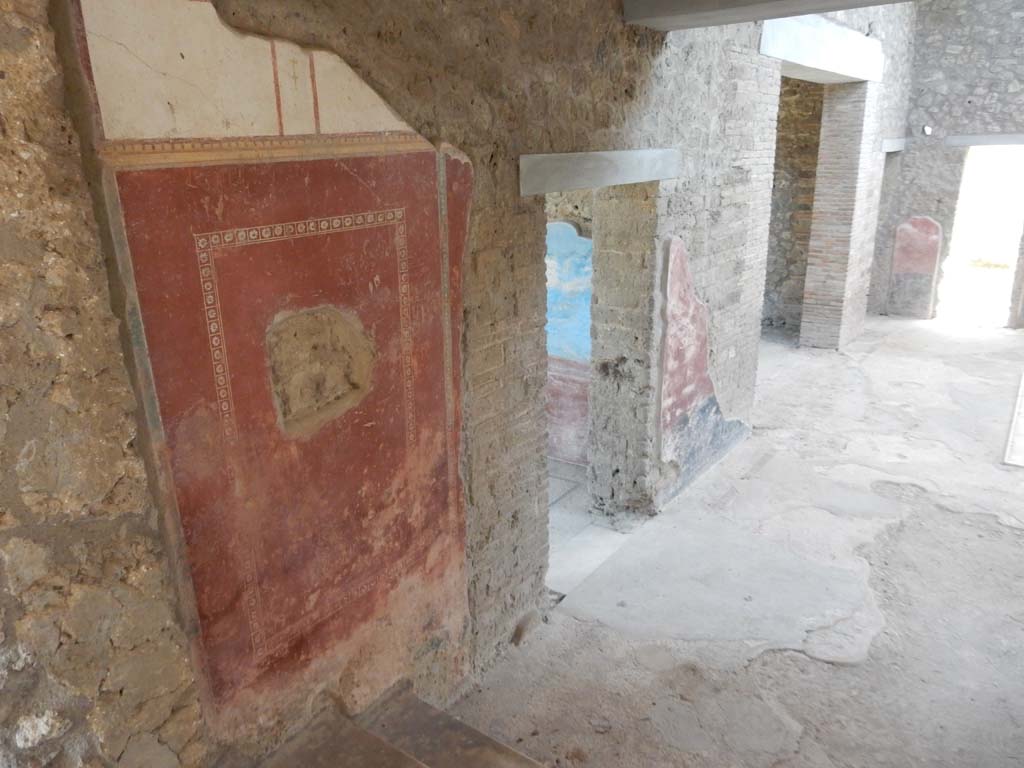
172, 69
822, 51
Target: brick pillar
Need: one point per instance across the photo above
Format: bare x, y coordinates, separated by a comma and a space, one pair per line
1017, 300
845, 217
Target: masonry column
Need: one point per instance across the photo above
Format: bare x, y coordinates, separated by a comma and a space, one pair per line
1017, 299
622, 446
845, 216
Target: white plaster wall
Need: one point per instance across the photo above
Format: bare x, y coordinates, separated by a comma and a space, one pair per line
171, 69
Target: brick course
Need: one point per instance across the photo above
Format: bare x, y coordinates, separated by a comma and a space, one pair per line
845, 214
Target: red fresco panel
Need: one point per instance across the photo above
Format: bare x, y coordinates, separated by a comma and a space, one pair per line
295, 544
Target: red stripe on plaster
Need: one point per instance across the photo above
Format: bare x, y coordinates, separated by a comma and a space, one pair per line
316, 97
277, 89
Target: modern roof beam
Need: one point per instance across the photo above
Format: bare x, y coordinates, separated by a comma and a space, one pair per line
668, 15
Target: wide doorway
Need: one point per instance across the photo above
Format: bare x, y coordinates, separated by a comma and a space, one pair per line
977, 277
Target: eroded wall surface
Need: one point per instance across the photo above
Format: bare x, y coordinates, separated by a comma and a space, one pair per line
94, 662
796, 164
968, 80
575, 207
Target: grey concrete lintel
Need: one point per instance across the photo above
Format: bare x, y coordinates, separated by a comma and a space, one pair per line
816, 49
985, 140
541, 174
667, 15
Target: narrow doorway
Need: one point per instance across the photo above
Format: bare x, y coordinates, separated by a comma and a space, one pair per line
978, 274
580, 539
796, 163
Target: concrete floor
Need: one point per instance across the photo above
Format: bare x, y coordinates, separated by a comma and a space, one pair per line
846, 589
579, 542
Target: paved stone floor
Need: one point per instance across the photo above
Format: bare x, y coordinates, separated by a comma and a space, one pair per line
845, 590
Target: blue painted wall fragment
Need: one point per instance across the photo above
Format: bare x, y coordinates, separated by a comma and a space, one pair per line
570, 286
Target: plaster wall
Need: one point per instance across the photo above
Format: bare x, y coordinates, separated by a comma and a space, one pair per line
915, 264
174, 70
692, 432
570, 287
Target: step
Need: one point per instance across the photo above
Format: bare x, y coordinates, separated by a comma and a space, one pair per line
435, 738
334, 741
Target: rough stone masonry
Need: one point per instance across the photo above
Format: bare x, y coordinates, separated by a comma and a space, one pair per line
94, 666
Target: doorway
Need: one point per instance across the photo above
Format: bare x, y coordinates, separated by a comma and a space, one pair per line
599, 280
977, 277
579, 541
796, 164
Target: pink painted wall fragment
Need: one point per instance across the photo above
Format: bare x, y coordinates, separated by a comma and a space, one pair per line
686, 381
915, 268
918, 241
694, 432
568, 409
